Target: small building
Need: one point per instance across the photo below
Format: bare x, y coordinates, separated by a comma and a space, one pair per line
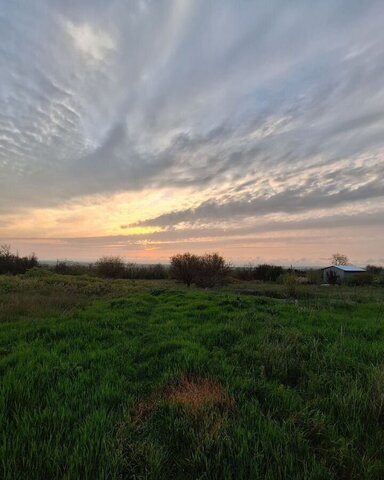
342, 272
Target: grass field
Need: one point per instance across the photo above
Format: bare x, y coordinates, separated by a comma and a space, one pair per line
145, 379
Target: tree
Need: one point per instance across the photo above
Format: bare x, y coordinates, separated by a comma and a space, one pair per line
267, 273
13, 263
339, 259
204, 270
111, 267
374, 269
212, 270
5, 251
184, 267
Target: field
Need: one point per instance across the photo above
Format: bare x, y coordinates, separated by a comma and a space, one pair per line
152, 380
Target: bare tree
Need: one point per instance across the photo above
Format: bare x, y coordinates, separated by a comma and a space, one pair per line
5, 251
13, 263
339, 259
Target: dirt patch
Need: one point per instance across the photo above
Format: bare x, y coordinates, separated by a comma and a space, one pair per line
197, 393
194, 394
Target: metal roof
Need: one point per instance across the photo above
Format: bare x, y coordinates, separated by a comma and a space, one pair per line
347, 268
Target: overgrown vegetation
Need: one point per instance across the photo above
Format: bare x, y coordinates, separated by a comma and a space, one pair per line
203, 270
374, 269
112, 267
13, 264
148, 380
361, 279
263, 272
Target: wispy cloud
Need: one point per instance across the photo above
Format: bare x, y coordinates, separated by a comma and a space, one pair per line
93, 43
242, 110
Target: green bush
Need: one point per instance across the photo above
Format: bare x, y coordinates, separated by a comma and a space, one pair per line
360, 280
314, 277
263, 272
267, 273
290, 283
37, 272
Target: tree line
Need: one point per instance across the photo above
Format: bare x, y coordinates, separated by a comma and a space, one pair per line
205, 270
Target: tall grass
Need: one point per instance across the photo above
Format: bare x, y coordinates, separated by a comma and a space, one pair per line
151, 380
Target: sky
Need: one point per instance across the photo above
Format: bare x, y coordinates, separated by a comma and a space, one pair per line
145, 128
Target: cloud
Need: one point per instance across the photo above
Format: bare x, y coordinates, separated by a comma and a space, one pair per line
91, 42
306, 197
259, 107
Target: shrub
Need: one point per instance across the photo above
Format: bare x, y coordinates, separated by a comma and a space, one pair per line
184, 267
38, 272
205, 271
263, 272
302, 280
13, 263
157, 272
111, 267
212, 270
131, 271
63, 267
374, 269
244, 273
360, 280
289, 281
267, 273
146, 272
314, 277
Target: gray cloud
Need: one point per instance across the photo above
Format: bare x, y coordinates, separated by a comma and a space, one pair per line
197, 94
288, 201
259, 226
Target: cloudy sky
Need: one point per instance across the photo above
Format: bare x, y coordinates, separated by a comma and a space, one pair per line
143, 128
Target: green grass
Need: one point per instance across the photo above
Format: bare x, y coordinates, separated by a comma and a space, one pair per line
87, 366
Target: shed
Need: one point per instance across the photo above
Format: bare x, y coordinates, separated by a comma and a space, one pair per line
342, 272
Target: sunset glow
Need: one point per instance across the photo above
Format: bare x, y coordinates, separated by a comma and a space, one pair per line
143, 129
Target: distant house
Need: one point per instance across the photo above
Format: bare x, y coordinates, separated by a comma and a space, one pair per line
342, 272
